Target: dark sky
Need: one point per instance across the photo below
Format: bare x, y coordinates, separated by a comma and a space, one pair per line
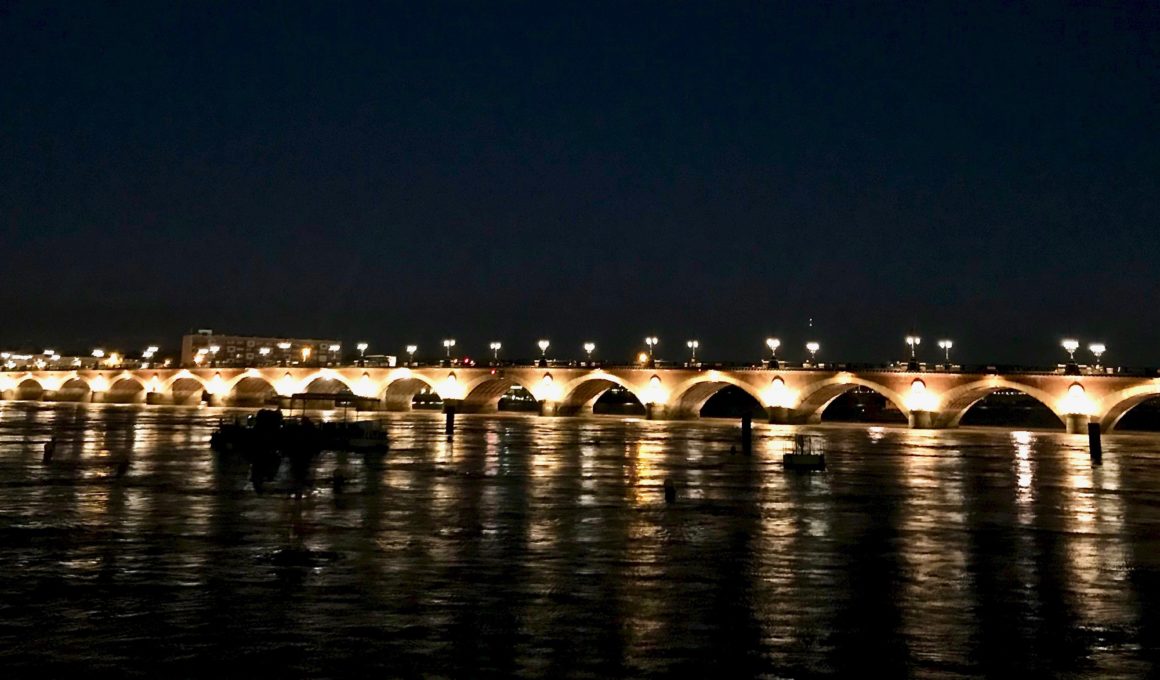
403, 173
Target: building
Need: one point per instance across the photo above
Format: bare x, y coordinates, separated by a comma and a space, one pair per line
206, 348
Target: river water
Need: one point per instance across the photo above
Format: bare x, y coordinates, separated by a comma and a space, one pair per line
538, 546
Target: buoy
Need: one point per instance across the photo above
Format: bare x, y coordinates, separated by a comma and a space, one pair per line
670, 491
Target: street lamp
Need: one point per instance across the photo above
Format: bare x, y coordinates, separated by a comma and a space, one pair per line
914, 341
448, 343
945, 346
812, 348
305, 355
411, 349
362, 353
772, 344
495, 348
1098, 349
334, 350
1070, 345
213, 351
589, 347
651, 341
692, 345
263, 352
98, 354
543, 345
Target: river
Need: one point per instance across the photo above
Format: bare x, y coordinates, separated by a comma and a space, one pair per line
535, 546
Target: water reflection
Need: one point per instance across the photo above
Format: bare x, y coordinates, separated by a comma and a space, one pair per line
530, 546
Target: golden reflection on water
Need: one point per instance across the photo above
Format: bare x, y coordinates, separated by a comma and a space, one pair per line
922, 550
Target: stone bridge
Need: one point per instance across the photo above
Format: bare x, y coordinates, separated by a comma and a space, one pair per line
935, 399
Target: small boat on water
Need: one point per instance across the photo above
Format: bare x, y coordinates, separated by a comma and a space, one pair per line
806, 455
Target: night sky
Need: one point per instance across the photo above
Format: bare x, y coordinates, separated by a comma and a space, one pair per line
494, 171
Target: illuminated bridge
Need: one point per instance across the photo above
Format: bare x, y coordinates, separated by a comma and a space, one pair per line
928, 399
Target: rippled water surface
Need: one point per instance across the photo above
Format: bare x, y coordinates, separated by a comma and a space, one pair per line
536, 546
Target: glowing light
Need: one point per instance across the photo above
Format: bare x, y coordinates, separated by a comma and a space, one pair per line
450, 388
778, 395
100, 384
335, 348
264, 351
1077, 401
305, 354
1097, 349
945, 346
812, 348
154, 384
655, 393
548, 390
1070, 345
7, 383
283, 346
364, 386
52, 383
543, 345
590, 347
216, 385
642, 358
772, 344
286, 386
99, 353
920, 398
693, 345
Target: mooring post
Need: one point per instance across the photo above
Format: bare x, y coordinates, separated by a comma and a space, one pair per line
1094, 444
747, 434
449, 425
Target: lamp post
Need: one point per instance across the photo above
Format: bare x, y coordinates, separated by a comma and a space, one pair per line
651, 341
285, 347
411, 349
692, 345
305, 355
495, 348
448, 343
147, 355
362, 353
334, 355
213, 352
264, 353
913, 341
589, 347
543, 345
1070, 345
1097, 349
98, 354
813, 347
945, 346
772, 344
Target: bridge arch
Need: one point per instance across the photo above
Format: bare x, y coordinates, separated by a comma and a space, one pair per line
957, 401
484, 393
1116, 405
29, 388
815, 397
125, 388
690, 396
251, 389
73, 388
399, 388
580, 394
326, 382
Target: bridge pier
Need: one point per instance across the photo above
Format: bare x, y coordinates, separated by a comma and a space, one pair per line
550, 408
655, 411
1077, 423
780, 415
158, 399
920, 420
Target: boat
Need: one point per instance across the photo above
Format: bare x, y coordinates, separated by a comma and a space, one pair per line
805, 455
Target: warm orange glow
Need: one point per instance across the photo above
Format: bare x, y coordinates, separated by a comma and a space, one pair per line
777, 395
450, 388
1077, 401
548, 390
100, 384
642, 358
365, 387
655, 393
286, 386
920, 398
216, 386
